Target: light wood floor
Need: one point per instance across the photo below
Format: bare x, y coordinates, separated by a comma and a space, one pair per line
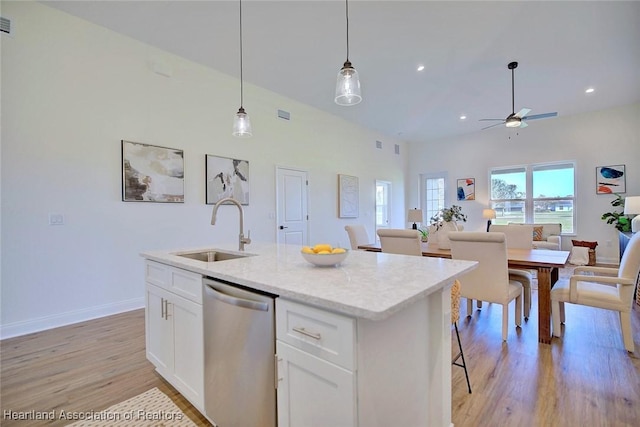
585, 379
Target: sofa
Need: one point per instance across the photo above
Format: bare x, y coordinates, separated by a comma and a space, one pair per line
546, 236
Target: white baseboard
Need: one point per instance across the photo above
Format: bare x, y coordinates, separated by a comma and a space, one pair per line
49, 322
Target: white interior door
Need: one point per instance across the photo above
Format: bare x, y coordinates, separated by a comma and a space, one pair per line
291, 215
383, 198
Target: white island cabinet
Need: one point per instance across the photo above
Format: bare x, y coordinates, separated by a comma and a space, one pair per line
366, 343
174, 327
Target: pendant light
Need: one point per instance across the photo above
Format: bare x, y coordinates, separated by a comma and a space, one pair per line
348, 84
241, 122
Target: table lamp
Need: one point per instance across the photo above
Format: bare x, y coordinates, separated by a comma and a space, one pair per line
415, 215
489, 214
632, 207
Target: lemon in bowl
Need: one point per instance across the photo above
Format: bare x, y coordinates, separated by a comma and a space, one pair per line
324, 255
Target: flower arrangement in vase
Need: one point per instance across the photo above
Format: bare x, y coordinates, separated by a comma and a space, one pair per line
445, 221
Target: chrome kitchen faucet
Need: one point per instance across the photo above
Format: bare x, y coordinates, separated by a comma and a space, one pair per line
242, 240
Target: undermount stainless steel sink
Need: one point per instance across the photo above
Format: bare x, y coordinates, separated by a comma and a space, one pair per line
212, 255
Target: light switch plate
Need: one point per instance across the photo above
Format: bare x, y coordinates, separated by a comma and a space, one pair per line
56, 219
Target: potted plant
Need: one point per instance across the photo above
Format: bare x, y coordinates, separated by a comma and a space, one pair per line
424, 234
452, 214
445, 221
618, 219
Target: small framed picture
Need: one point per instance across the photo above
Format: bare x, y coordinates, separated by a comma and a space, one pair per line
611, 179
466, 189
226, 177
151, 173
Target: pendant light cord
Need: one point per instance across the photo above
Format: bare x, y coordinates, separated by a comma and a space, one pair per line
347, 15
241, 79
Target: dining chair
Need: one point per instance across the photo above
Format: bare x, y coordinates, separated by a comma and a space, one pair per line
519, 237
489, 281
357, 235
400, 241
601, 287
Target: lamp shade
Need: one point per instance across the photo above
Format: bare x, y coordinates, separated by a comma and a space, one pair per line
348, 86
242, 124
414, 215
488, 213
632, 207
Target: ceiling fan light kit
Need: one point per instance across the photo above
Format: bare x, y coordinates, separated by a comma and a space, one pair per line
517, 120
348, 82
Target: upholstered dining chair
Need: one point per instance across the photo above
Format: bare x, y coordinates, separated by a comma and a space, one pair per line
357, 235
490, 280
601, 287
403, 242
400, 241
519, 237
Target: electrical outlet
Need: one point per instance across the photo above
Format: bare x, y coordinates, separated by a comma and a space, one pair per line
56, 219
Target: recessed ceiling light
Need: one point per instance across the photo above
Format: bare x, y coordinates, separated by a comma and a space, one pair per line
463, 117
420, 67
589, 90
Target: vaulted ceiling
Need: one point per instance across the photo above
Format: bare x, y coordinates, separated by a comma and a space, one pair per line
296, 48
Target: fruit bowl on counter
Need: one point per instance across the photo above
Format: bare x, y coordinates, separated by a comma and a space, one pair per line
324, 255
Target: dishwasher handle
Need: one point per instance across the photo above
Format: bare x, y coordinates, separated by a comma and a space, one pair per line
239, 302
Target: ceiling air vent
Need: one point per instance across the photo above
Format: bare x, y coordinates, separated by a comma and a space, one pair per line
5, 26
378, 144
285, 115
397, 149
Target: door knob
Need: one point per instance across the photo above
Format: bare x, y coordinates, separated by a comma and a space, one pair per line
282, 227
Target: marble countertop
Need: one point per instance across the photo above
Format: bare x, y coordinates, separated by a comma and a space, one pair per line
367, 285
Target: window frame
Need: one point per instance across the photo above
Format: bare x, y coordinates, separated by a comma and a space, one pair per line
529, 200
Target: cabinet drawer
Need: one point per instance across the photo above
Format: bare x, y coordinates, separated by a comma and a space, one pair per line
327, 335
176, 280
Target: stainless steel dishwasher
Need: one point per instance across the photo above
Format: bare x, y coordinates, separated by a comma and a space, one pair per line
239, 350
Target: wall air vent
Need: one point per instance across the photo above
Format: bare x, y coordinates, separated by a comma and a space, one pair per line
5, 26
284, 115
397, 148
378, 144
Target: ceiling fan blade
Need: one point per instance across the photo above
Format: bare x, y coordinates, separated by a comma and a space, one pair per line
523, 112
484, 120
540, 116
497, 124
523, 125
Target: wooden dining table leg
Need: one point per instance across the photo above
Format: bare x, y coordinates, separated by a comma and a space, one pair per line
546, 277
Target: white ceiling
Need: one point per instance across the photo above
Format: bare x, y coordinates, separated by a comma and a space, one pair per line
296, 48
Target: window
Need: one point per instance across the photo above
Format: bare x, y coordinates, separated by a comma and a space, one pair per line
542, 193
383, 190
433, 194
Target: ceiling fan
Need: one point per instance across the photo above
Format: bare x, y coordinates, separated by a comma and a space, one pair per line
517, 120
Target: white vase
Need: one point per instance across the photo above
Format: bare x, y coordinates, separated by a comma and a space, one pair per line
443, 234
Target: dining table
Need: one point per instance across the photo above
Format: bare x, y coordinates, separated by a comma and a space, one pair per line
546, 262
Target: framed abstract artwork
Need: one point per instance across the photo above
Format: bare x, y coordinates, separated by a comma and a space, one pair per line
611, 179
226, 177
151, 173
348, 196
466, 189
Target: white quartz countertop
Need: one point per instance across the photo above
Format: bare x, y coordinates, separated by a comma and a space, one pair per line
367, 285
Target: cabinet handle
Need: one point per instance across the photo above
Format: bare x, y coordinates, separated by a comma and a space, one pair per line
303, 331
162, 306
277, 362
166, 309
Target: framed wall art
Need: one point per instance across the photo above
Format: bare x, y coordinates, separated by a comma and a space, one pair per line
611, 179
151, 173
348, 196
466, 189
226, 177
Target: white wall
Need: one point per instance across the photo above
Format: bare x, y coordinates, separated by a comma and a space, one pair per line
70, 92
609, 137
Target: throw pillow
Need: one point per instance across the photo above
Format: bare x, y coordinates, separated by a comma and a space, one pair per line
537, 233
583, 243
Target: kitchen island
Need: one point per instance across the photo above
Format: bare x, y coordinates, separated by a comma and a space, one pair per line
392, 350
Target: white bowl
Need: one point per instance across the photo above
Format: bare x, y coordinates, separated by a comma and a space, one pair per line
325, 260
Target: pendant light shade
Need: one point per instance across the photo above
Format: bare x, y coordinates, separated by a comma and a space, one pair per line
348, 83
241, 122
